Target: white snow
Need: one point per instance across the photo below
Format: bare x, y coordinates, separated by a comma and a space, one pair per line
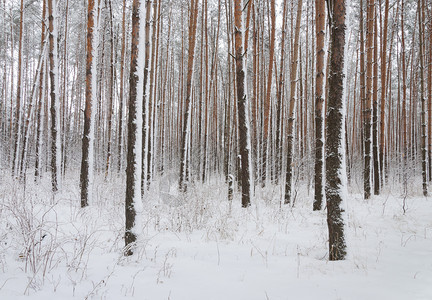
201, 250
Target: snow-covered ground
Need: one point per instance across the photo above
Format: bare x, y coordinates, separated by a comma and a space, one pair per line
201, 248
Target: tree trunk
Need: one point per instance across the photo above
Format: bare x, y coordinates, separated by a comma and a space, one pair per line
121, 96
334, 132
294, 62
133, 168
422, 99
54, 92
383, 87
368, 104
17, 125
267, 102
242, 106
187, 110
319, 144
86, 177
375, 107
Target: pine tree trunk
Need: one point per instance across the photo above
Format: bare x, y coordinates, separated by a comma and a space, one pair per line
267, 102
383, 88
368, 104
290, 133
334, 132
375, 108
121, 96
111, 89
279, 100
420, 9
39, 116
54, 92
145, 100
242, 106
187, 109
90, 92
319, 145
17, 123
133, 167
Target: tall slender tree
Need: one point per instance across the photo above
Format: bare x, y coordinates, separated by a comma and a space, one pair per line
86, 177
292, 102
319, 145
133, 202
242, 106
54, 93
187, 112
334, 133
17, 123
420, 10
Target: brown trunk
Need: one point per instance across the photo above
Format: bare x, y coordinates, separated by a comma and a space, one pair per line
242, 107
294, 62
368, 104
267, 102
54, 98
383, 87
420, 9
40, 103
133, 179
187, 105
87, 139
122, 64
111, 89
319, 144
334, 131
375, 108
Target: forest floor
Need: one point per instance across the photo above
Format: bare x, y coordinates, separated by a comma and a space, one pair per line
201, 247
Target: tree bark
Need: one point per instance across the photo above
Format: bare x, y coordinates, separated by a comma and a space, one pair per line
133, 167
290, 133
54, 92
86, 175
319, 144
186, 124
242, 106
334, 132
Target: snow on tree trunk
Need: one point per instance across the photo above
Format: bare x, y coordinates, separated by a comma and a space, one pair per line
133, 203
17, 129
54, 92
334, 135
187, 113
242, 109
319, 145
86, 178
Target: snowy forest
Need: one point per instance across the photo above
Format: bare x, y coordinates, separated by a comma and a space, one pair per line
215, 149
